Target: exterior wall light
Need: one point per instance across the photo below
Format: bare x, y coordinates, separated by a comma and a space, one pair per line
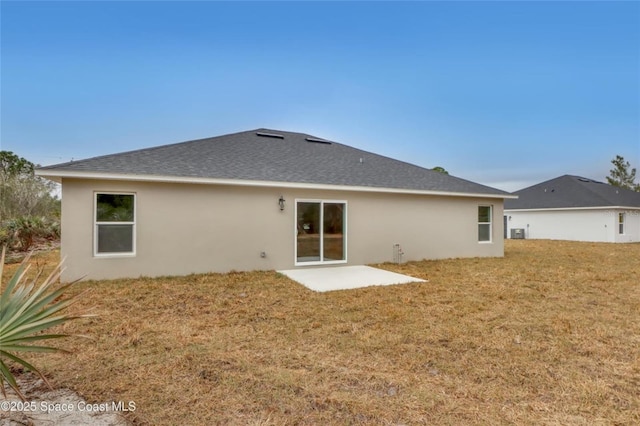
281, 203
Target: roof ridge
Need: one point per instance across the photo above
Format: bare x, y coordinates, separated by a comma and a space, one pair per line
246, 156
573, 191
585, 186
610, 189
148, 149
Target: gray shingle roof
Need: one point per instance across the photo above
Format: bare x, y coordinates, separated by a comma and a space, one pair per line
291, 158
572, 191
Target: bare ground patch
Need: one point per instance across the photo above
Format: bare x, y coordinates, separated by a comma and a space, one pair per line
55, 407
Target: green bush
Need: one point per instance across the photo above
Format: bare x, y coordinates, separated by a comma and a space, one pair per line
27, 310
29, 208
20, 233
6, 236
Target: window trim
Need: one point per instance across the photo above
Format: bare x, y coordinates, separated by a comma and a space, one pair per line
321, 219
96, 224
621, 222
490, 223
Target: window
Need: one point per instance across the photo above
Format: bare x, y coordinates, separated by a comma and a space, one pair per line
484, 224
621, 223
320, 232
115, 226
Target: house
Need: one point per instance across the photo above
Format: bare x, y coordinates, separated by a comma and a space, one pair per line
574, 208
260, 200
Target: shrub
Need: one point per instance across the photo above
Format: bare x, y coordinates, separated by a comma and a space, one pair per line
22, 193
6, 235
29, 206
20, 233
27, 311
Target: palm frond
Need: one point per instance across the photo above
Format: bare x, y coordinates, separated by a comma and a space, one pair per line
27, 309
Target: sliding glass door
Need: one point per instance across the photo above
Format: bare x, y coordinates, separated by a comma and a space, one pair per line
320, 232
308, 243
333, 232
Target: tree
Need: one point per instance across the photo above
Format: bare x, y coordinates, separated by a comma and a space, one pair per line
622, 175
440, 170
12, 165
22, 193
28, 210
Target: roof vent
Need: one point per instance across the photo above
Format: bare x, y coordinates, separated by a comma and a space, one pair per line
583, 180
270, 135
316, 140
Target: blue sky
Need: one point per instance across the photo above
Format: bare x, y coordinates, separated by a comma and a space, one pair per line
503, 93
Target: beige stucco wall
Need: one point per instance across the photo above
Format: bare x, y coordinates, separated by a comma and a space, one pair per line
193, 228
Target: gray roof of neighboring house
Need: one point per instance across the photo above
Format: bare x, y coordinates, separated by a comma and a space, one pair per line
258, 155
572, 191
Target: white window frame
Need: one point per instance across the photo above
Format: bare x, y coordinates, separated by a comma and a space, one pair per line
490, 223
295, 232
621, 221
96, 224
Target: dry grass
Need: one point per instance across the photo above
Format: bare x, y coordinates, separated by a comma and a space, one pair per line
550, 334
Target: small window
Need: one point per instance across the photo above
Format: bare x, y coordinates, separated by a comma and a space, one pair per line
115, 226
621, 223
484, 223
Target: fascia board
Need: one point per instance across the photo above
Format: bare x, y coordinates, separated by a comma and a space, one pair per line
571, 209
58, 175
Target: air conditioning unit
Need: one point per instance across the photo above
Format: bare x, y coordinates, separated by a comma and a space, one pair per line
517, 234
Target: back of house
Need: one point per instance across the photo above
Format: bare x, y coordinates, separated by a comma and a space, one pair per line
264, 199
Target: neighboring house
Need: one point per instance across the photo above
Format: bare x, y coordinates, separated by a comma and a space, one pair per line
264, 199
574, 208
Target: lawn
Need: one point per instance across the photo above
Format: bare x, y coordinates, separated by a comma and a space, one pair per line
549, 334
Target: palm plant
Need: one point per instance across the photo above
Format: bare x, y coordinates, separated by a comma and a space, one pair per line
27, 310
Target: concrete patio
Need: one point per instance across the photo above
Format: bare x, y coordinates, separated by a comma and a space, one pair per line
346, 277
